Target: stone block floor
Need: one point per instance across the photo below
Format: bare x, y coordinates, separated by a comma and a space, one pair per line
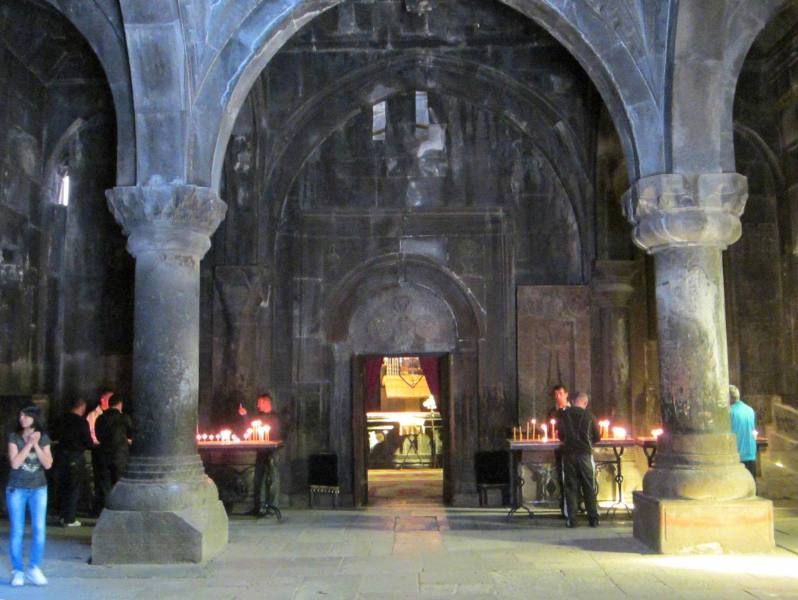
422, 552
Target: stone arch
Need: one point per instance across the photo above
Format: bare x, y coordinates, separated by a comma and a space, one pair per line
705, 68
336, 104
761, 148
393, 276
100, 25
584, 31
396, 270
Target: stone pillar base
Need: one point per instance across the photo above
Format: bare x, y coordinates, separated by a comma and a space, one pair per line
672, 526
194, 534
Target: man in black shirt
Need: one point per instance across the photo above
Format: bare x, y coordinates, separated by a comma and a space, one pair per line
74, 438
578, 432
114, 430
560, 396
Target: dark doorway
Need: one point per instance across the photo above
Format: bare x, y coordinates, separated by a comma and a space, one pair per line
400, 414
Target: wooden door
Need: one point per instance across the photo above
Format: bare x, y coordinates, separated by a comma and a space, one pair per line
445, 402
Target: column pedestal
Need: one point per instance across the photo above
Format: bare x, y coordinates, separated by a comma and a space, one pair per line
164, 509
698, 497
673, 526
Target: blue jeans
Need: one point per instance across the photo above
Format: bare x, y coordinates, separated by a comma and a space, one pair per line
16, 501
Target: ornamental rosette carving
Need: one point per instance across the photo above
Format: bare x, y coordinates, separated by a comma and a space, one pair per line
677, 210
196, 209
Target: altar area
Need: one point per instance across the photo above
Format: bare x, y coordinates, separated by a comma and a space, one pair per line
404, 429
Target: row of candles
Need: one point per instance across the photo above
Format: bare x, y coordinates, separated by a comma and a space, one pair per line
548, 431
256, 432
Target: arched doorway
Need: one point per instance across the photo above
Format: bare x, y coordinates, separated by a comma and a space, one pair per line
407, 305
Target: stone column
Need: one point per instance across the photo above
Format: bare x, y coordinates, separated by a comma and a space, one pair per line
611, 292
164, 509
698, 496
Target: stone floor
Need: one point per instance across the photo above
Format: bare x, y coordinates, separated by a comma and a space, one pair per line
423, 552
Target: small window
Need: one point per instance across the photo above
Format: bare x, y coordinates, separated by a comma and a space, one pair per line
378, 116
422, 114
62, 198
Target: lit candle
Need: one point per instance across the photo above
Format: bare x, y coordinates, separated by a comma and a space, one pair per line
199, 437
534, 428
204, 437
756, 433
545, 429
619, 433
267, 429
527, 430
553, 429
655, 433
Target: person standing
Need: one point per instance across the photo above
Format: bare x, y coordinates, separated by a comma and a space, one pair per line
97, 501
743, 424
74, 438
560, 396
114, 430
29, 456
578, 432
267, 475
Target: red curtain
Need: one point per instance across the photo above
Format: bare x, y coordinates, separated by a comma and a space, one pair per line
431, 365
373, 365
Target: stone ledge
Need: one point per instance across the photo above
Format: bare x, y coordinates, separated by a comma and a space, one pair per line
195, 534
704, 526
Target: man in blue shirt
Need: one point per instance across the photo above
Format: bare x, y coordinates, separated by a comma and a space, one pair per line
743, 422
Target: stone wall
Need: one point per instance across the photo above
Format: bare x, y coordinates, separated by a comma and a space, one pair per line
457, 177
66, 279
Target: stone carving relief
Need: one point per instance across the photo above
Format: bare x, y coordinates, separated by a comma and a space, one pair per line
242, 293
553, 343
405, 319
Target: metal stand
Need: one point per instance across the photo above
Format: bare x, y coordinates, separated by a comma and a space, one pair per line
516, 489
618, 452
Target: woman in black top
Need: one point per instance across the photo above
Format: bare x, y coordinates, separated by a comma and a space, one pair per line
29, 456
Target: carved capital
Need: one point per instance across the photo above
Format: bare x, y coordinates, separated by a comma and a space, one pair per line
677, 210
168, 218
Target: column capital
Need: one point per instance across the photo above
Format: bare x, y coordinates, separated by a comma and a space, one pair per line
167, 218
677, 210
612, 282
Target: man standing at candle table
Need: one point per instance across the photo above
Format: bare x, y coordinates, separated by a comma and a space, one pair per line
74, 438
743, 423
114, 431
266, 488
578, 432
561, 404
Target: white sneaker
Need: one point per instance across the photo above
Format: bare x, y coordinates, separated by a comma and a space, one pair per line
36, 577
17, 578
74, 523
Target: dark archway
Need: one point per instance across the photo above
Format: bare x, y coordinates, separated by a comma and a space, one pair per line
584, 31
545, 127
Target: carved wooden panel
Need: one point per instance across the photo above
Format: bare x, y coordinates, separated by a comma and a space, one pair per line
553, 344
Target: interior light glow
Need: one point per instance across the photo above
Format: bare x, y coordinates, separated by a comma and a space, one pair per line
766, 565
63, 191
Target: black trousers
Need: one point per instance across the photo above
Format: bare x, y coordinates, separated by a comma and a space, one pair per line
266, 481
111, 469
579, 476
70, 472
558, 473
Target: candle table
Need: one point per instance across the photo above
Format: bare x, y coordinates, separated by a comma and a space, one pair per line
205, 448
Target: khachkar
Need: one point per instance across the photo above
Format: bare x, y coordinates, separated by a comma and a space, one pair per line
698, 496
164, 509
